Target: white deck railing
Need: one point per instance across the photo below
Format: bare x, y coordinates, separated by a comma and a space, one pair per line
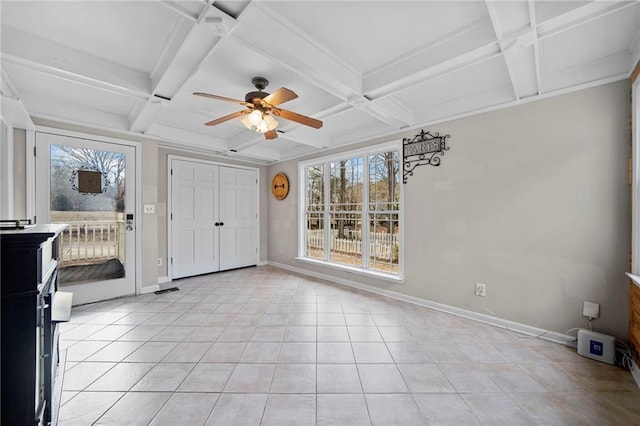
87, 242
380, 243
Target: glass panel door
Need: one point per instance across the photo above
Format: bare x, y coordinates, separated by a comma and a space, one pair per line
89, 186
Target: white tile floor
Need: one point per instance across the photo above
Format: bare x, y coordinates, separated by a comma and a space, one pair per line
264, 346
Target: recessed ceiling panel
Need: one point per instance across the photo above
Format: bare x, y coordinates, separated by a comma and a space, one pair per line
229, 74
131, 33
463, 84
592, 51
29, 82
368, 34
186, 120
354, 125
546, 10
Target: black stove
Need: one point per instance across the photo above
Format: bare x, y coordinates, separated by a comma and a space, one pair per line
15, 224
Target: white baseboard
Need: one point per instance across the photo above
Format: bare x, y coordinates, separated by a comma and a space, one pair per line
464, 313
263, 263
149, 289
162, 280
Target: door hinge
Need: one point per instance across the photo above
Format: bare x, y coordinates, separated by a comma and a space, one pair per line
34, 151
171, 216
256, 249
171, 172
172, 260
256, 181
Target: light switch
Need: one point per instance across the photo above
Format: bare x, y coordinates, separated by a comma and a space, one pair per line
149, 208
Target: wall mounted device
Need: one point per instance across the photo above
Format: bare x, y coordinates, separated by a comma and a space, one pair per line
598, 346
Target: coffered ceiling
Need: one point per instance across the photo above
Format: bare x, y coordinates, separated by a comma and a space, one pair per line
365, 68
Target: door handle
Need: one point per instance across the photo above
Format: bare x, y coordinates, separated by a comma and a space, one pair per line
216, 224
221, 223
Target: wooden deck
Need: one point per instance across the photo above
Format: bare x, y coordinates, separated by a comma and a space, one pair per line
97, 272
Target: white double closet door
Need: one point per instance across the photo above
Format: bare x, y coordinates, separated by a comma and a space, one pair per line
213, 218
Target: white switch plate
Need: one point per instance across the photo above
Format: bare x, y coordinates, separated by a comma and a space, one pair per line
481, 289
150, 208
590, 310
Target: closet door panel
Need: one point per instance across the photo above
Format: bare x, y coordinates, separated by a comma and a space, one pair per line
194, 207
239, 213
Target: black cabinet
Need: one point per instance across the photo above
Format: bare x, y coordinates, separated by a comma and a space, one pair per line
29, 259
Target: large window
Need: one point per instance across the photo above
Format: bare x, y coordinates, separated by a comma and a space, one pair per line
351, 215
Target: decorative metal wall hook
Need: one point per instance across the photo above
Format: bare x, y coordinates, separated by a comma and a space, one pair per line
424, 148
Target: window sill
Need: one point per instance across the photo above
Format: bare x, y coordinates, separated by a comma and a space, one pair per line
358, 271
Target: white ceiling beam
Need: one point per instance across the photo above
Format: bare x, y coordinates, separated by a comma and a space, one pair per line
533, 20
387, 110
493, 14
260, 152
14, 114
36, 53
12, 110
179, 9
189, 47
516, 46
145, 113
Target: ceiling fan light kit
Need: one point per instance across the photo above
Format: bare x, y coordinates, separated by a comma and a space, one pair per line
259, 121
261, 107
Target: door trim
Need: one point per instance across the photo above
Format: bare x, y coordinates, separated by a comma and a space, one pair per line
170, 159
137, 147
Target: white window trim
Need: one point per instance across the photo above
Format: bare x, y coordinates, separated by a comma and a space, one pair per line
302, 187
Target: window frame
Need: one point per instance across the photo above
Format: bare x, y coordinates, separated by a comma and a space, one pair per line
366, 212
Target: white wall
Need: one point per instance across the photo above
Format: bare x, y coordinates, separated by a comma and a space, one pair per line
531, 200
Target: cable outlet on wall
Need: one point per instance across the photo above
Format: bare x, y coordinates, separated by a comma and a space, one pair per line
159, 261
481, 289
590, 310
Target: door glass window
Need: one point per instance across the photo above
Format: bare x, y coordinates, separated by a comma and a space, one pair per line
88, 192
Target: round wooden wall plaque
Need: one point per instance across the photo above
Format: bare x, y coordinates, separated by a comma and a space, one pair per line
280, 186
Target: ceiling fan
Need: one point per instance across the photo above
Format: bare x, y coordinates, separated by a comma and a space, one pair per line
261, 108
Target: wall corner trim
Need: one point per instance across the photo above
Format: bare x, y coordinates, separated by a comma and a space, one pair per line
525, 329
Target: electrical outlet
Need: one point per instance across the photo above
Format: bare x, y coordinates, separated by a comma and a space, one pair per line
149, 208
481, 289
590, 310
159, 261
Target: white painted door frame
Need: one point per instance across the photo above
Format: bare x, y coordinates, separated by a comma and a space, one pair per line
32, 181
635, 192
170, 159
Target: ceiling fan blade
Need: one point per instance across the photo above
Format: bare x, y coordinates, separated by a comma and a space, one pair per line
280, 96
225, 118
222, 98
298, 118
271, 134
